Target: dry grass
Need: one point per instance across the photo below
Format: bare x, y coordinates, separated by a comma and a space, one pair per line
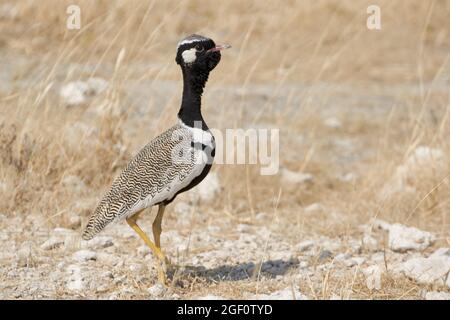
309, 54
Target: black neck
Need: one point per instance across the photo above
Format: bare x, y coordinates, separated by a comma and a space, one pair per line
190, 112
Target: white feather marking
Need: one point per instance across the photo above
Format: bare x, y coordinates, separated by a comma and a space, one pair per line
186, 41
189, 56
199, 135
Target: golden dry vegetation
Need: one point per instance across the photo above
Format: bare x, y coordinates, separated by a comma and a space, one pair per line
347, 100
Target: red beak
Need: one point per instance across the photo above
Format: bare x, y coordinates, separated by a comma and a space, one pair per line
219, 47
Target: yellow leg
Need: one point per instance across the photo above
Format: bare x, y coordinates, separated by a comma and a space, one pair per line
157, 230
156, 251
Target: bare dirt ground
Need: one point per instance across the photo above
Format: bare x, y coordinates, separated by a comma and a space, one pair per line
358, 210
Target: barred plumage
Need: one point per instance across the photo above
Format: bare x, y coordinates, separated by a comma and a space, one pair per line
162, 168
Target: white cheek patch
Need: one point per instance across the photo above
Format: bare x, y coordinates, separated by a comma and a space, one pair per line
189, 56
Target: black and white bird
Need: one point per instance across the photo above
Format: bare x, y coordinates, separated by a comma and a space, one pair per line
173, 162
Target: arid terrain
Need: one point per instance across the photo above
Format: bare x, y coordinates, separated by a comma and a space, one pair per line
359, 208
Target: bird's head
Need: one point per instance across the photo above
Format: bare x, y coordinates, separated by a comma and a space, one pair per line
198, 53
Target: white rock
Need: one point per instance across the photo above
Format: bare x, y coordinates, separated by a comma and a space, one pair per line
373, 277
74, 222
77, 92
75, 281
98, 242
52, 243
423, 161
84, 255
355, 261
431, 270
24, 255
305, 245
369, 242
109, 259
135, 268
208, 189
303, 264
288, 176
284, 294
342, 257
211, 297
157, 290
402, 238
143, 251
444, 252
76, 284
436, 295
333, 123
348, 177
314, 208
381, 224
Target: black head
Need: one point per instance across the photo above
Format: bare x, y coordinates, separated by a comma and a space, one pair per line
198, 53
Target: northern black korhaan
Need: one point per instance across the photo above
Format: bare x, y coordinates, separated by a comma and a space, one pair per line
171, 163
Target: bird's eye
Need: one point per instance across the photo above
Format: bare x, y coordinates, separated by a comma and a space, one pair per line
199, 48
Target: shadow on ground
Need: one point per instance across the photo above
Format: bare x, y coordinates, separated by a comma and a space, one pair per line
237, 272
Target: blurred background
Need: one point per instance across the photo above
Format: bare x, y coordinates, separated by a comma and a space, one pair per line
363, 119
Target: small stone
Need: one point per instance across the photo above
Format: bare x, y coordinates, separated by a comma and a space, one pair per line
109, 259
441, 252
333, 123
77, 92
74, 222
342, 257
119, 279
288, 176
211, 297
303, 264
373, 277
107, 275
157, 290
431, 270
84, 255
128, 290
436, 295
52, 243
314, 208
135, 268
143, 251
348, 177
305, 245
102, 289
369, 242
284, 294
355, 261
261, 216
402, 238
76, 284
24, 255
98, 242
325, 255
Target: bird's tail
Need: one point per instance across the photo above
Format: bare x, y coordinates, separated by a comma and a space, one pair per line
98, 221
